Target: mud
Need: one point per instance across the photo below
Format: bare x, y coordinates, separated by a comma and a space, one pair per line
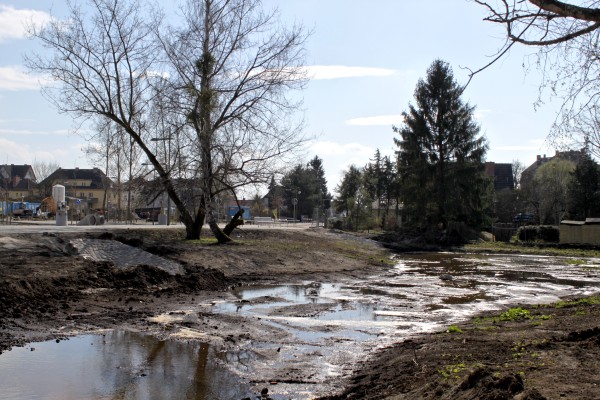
289, 311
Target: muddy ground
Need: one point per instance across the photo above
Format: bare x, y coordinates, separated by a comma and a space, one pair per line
48, 290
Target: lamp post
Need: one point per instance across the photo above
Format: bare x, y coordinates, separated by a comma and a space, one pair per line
295, 203
153, 183
168, 160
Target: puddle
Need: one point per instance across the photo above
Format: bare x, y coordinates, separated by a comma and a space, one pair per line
302, 336
422, 293
119, 365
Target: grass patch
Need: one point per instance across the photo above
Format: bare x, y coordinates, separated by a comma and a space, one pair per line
515, 314
512, 314
576, 261
586, 301
203, 241
454, 329
547, 250
452, 372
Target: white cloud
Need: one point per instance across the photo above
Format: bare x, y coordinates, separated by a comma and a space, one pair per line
341, 71
24, 132
480, 114
515, 148
27, 152
13, 22
381, 120
529, 145
328, 148
15, 78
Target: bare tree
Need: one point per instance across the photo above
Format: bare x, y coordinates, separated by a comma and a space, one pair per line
234, 68
42, 170
517, 170
582, 132
231, 67
566, 36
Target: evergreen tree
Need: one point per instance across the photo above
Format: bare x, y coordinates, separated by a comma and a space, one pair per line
374, 180
348, 189
584, 189
308, 185
441, 154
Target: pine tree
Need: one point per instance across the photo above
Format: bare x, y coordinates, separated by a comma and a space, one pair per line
441, 154
584, 189
348, 189
308, 185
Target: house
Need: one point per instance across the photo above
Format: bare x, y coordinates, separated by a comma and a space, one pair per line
17, 182
570, 155
90, 186
502, 175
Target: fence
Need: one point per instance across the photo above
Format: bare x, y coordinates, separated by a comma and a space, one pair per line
503, 231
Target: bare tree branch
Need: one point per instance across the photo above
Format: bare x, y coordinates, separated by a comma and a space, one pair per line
566, 36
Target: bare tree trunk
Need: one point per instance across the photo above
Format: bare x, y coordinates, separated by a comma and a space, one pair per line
129, 216
193, 226
234, 223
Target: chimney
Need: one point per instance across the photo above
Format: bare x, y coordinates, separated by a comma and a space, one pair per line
538, 159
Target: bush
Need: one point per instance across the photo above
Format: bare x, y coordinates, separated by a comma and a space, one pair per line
549, 234
527, 233
542, 233
335, 223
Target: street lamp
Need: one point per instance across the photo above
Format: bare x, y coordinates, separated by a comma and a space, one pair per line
168, 160
153, 184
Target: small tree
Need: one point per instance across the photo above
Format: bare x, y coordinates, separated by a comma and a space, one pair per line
347, 190
550, 184
42, 170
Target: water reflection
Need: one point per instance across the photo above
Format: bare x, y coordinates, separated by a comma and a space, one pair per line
322, 328
118, 365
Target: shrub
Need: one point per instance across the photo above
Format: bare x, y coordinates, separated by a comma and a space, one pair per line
549, 234
533, 233
527, 233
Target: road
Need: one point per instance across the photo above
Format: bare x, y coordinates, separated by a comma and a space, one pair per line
50, 226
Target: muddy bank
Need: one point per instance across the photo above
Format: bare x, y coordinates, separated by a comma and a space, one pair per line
48, 285
55, 286
526, 353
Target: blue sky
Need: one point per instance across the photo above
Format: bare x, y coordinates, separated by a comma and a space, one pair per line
365, 57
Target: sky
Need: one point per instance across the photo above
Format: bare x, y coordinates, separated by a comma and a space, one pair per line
365, 58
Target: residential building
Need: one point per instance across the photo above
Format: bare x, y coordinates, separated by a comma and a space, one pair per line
17, 182
570, 155
502, 174
86, 187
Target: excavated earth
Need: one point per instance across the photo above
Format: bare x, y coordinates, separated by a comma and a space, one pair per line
54, 285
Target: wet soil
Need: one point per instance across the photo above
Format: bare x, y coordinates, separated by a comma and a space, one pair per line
46, 286
551, 354
48, 290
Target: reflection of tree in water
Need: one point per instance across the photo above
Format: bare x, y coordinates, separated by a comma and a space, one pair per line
140, 367
313, 291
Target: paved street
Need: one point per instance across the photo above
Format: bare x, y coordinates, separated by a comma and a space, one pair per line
49, 226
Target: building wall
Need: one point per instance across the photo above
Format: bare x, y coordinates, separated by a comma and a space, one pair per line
580, 234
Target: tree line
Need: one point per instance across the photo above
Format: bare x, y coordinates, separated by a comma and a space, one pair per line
204, 102
438, 176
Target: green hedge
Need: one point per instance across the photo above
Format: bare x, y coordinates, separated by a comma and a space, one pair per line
542, 233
